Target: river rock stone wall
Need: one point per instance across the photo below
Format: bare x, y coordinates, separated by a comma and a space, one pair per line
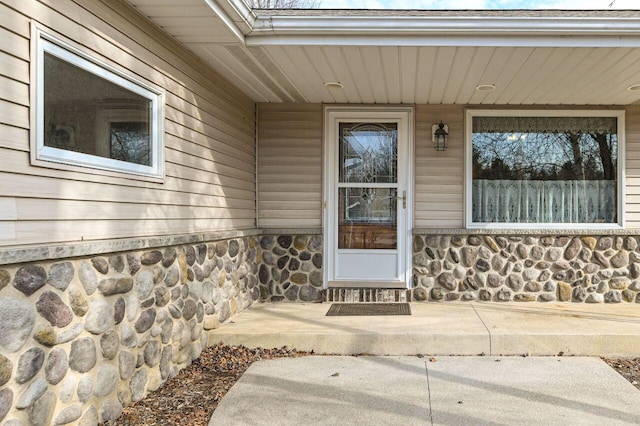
81, 338
291, 268
591, 269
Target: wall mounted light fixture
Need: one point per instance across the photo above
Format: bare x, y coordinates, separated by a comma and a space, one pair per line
440, 136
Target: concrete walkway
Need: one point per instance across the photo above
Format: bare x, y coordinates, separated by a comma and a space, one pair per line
330, 390
449, 328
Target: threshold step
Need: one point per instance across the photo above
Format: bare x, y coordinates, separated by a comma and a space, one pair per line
366, 295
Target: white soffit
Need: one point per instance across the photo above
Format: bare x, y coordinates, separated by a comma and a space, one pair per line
199, 21
573, 60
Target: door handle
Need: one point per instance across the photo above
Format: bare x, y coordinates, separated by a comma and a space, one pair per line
403, 198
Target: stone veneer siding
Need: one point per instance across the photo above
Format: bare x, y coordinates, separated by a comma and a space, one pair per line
290, 268
82, 337
522, 268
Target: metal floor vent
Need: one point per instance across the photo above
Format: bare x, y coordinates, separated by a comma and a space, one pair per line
368, 309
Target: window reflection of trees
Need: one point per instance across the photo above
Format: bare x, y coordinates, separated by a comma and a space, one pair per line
368, 154
130, 142
528, 173
545, 156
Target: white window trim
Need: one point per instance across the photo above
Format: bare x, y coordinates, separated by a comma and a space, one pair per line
46, 156
471, 113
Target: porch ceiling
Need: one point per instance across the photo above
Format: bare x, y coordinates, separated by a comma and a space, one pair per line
427, 58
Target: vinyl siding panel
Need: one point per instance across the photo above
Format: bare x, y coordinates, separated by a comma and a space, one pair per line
13, 21
439, 175
14, 44
632, 167
14, 91
188, 195
289, 165
209, 142
14, 68
14, 114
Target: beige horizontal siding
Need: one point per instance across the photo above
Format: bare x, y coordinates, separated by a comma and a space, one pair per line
14, 68
13, 21
289, 165
8, 208
14, 91
14, 114
632, 167
18, 171
7, 231
37, 209
14, 44
439, 176
203, 195
83, 230
209, 125
197, 140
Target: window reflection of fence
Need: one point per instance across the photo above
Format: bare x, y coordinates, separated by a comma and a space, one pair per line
540, 201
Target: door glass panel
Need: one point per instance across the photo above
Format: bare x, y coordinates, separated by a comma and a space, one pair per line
368, 152
367, 218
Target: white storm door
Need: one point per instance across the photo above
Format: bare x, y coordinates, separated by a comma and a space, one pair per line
368, 197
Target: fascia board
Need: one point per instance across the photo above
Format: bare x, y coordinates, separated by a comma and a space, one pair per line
232, 22
242, 14
430, 24
404, 30
443, 40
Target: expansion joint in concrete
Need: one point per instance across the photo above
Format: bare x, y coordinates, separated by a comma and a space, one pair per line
487, 328
426, 368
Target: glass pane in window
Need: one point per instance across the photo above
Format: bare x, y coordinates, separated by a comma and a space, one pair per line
88, 114
367, 218
368, 152
130, 142
544, 169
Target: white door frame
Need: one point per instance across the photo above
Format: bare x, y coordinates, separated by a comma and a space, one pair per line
404, 116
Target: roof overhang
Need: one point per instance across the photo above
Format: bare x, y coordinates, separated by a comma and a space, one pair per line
532, 57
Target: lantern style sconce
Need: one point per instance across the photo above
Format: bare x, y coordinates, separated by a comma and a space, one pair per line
440, 136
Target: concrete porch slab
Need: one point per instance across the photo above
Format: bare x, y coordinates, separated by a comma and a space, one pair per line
452, 328
573, 329
331, 390
432, 328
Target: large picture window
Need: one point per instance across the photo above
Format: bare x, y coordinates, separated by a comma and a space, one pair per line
544, 168
90, 115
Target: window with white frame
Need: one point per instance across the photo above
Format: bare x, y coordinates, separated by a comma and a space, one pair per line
544, 168
91, 115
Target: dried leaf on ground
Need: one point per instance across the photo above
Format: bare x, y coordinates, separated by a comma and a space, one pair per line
629, 368
191, 397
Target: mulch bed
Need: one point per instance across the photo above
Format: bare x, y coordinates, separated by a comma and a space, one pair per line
191, 397
629, 368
